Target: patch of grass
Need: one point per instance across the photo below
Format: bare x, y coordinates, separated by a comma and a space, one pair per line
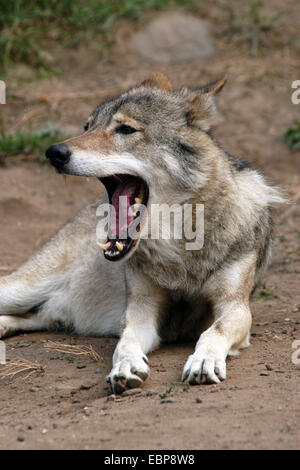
252, 26
184, 385
265, 294
167, 392
32, 141
27, 26
291, 136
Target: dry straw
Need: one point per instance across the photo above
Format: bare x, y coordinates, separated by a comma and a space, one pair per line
78, 349
18, 365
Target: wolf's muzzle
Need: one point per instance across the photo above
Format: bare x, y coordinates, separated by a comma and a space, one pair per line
58, 155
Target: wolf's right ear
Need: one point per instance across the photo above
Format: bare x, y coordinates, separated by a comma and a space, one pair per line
202, 104
158, 80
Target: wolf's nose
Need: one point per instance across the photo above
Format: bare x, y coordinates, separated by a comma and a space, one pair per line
58, 154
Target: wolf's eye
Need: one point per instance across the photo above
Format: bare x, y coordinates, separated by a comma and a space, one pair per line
124, 129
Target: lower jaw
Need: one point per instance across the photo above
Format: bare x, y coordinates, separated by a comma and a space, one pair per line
117, 255
118, 247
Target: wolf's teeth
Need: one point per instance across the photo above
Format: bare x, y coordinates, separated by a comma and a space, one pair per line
64, 178
135, 208
104, 246
141, 195
138, 200
119, 246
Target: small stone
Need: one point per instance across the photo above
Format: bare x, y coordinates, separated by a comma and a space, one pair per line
268, 367
132, 391
23, 344
81, 366
111, 397
86, 411
198, 400
86, 386
167, 400
21, 438
150, 393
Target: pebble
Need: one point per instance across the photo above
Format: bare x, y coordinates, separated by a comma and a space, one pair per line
111, 397
150, 393
86, 386
132, 391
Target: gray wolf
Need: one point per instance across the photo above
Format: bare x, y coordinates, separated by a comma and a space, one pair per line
152, 145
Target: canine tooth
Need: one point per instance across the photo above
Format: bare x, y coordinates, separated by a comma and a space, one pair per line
104, 246
141, 195
136, 208
138, 200
64, 178
119, 246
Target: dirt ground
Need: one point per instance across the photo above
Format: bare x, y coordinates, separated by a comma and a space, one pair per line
69, 406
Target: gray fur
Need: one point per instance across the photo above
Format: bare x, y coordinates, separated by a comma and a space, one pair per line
164, 292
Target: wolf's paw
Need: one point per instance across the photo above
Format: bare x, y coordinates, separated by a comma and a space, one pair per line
129, 372
202, 368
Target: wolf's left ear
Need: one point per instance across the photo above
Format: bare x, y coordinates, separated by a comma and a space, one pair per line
158, 80
202, 104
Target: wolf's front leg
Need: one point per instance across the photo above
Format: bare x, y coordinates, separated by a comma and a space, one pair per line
229, 292
139, 337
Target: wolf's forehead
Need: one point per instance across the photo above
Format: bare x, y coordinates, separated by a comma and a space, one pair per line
143, 107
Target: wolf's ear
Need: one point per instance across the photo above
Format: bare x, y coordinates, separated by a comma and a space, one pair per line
158, 80
202, 104
214, 88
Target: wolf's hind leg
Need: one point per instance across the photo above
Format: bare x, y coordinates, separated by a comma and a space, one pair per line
10, 324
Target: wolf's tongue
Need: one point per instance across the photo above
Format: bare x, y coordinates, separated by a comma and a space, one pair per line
122, 199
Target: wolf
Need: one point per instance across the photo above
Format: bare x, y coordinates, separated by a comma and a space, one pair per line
151, 145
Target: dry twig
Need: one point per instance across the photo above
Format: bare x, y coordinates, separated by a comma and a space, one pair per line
78, 349
17, 366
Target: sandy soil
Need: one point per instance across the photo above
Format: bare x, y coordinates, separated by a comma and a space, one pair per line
69, 406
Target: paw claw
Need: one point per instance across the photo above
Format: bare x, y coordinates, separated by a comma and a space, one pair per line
128, 373
203, 368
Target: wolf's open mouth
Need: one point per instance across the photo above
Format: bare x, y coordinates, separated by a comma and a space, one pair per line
128, 196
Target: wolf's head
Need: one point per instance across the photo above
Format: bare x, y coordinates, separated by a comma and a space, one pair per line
149, 145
